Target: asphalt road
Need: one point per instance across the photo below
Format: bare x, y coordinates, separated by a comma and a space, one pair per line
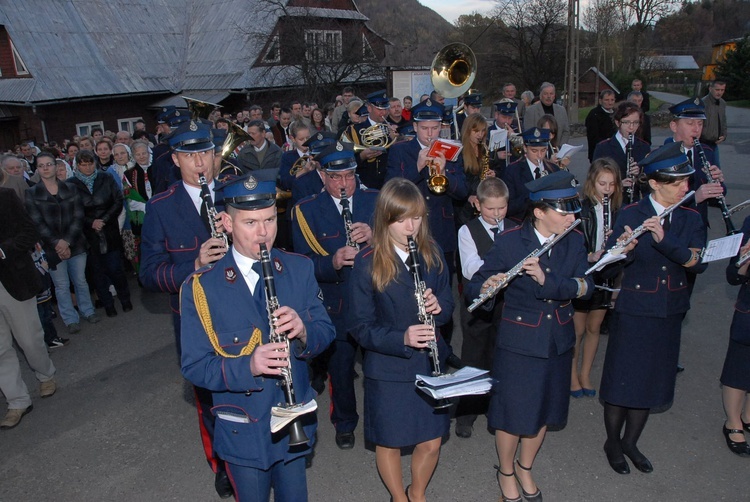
122, 426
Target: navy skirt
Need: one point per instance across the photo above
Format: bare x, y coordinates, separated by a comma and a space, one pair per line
398, 415
529, 392
640, 366
736, 371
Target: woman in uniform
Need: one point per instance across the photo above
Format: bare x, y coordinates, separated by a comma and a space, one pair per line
639, 367
534, 344
474, 155
384, 321
602, 197
735, 377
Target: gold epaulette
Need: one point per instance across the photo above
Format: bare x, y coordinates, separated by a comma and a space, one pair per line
201, 306
308, 233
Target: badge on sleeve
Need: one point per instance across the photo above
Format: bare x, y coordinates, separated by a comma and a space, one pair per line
320, 294
277, 265
230, 275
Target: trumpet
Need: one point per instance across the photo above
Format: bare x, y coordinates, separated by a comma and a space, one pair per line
297, 434
437, 182
299, 165
518, 269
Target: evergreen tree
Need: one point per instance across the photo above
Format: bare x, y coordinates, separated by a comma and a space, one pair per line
734, 70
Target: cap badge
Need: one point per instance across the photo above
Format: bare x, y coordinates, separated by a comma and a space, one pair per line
250, 183
537, 133
697, 101
319, 137
193, 126
230, 275
164, 109
339, 147
428, 102
177, 113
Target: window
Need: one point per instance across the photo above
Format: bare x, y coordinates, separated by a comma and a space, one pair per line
273, 54
127, 124
84, 129
18, 62
323, 46
367, 52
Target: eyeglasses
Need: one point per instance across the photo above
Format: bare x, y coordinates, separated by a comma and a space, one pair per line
48, 164
339, 177
630, 122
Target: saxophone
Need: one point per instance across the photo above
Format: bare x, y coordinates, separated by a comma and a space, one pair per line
485, 166
347, 215
212, 214
296, 432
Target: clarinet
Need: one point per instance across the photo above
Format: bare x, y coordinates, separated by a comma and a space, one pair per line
620, 246
212, 214
518, 269
424, 317
743, 259
706, 168
605, 217
629, 191
297, 434
347, 215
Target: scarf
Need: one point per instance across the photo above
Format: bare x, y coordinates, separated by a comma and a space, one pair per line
87, 180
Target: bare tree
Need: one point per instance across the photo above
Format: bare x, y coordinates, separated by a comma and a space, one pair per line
601, 18
640, 16
533, 40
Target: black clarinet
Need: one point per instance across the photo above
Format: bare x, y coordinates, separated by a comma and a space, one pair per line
347, 215
706, 168
297, 434
630, 192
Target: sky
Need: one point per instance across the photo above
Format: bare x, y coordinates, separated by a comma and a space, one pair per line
451, 9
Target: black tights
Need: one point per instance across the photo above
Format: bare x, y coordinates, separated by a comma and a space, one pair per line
634, 420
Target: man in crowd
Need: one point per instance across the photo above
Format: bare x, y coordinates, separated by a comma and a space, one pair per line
259, 153
315, 220
509, 92
715, 127
243, 369
637, 85
19, 320
547, 106
644, 131
472, 104
600, 124
395, 116
371, 161
281, 128
406, 112
27, 154
124, 137
176, 240
338, 113
505, 113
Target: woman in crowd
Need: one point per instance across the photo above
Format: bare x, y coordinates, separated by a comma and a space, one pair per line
57, 211
384, 320
104, 157
550, 122
475, 159
735, 377
628, 117
535, 339
318, 120
137, 192
63, 170
644, 342
602, 198
102, 203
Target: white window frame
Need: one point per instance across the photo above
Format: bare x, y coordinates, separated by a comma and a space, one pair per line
129, 124
17, 60
326, 44
88, 127
275, 44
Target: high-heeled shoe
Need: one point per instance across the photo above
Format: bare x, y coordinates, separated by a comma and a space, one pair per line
639, 460
740, 448
745, 425
589, 392
616, 461
503, 498
530, 497
406, 492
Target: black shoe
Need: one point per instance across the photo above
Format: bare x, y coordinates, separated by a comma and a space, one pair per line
345, 440
529, 497
617, 461
406, 492
454, 362
746, 426
98, 304
127, 306
463, 430
318, 383
111, 311
503, 498
639, 460
222, 485
680, 368
309, 459
740, 448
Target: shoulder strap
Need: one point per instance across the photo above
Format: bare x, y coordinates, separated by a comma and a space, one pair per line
308, 233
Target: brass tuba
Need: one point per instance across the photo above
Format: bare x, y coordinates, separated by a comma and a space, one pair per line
453, 70
199, 109
235, 137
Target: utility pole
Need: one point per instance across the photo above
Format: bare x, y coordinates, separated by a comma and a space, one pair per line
572, 57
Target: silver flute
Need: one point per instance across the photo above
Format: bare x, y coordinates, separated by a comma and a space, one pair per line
347, 215
212, 214
620, 246
296, 432
518, 269
424, 317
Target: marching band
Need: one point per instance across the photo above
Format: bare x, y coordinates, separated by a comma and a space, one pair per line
375, 217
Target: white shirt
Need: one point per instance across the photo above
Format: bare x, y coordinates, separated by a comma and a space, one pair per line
543, 240
622, 140
467, 248
533, 167
195, 194
402, 254
260, 149
337, 202
658, 208
245, 265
